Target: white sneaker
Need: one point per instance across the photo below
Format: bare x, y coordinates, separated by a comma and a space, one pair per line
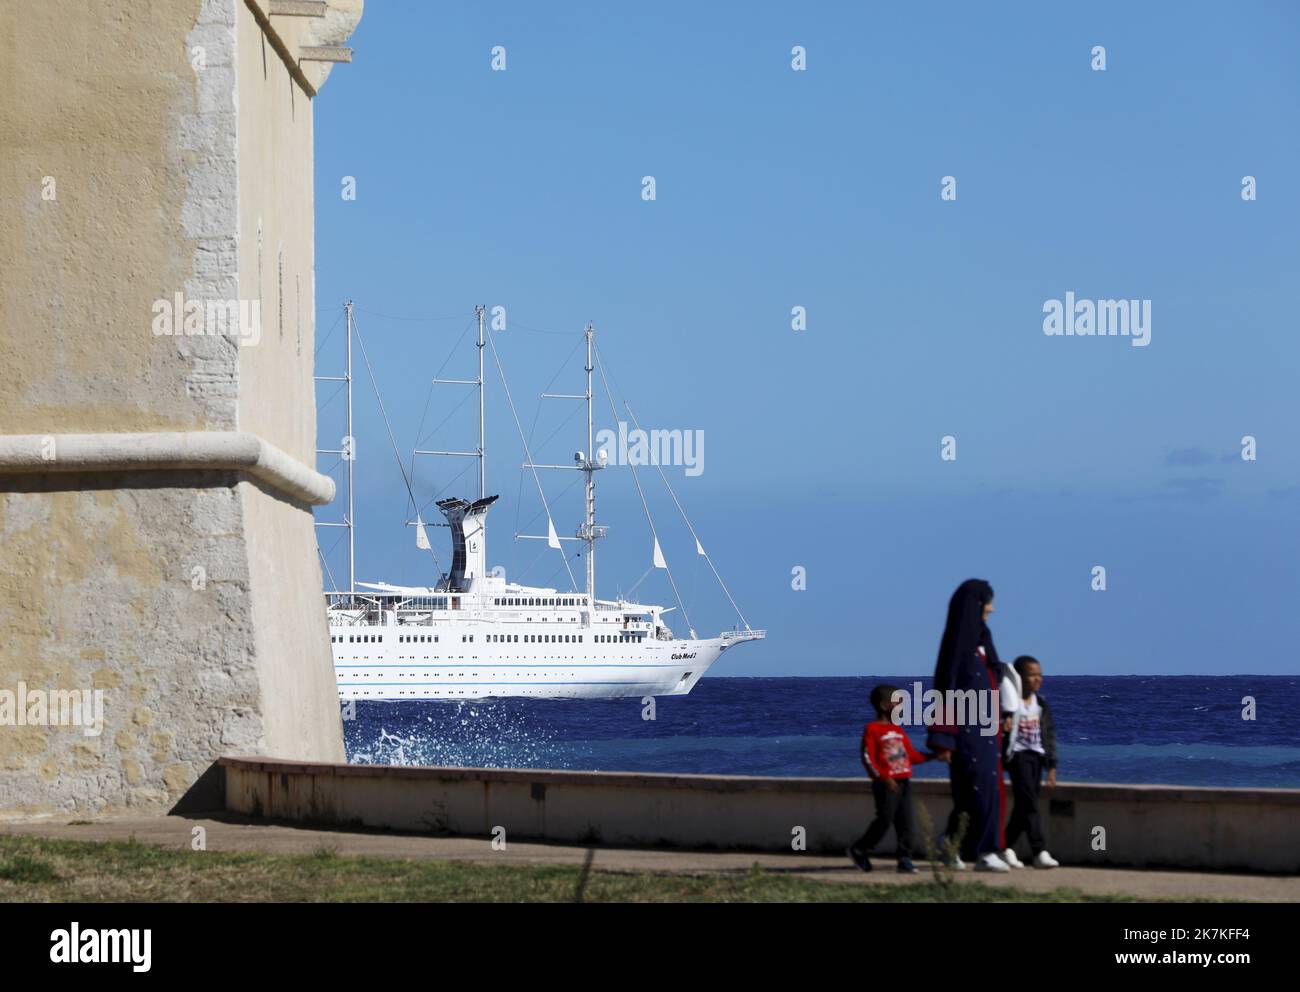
1009, 856
991, 862
1045, 860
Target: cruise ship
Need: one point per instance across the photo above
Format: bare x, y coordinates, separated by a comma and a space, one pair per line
474, 635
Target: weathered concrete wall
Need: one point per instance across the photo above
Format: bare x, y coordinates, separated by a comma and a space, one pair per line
277, 392
144, 147
1254, 829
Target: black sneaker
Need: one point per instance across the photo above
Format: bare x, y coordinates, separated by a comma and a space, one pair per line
859, 857
905, 867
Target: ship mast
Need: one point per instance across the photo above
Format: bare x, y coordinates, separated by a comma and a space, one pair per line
589, 526
351, 457
482, 465
347, 452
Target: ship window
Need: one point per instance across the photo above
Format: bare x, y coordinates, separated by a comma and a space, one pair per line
471, 638
462, 638
579, 638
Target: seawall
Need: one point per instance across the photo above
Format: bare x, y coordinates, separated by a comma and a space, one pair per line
1087, 824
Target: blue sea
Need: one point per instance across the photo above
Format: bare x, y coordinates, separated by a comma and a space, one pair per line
1175, 730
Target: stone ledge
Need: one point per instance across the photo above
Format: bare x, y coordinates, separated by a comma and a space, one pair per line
324, 53
745, 783
297, 8
38, 454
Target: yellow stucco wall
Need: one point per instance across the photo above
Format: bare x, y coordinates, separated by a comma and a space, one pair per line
90, 96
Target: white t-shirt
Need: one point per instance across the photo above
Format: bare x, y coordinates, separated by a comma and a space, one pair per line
1029, 728
1010, 701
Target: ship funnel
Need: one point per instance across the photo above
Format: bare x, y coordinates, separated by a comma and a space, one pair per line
468, 523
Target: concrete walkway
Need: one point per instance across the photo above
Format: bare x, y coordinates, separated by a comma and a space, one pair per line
230, 833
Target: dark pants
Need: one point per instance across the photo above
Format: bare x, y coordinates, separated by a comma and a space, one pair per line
893, 807
1026, 779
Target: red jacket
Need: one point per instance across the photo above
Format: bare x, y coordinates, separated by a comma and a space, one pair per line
887, 751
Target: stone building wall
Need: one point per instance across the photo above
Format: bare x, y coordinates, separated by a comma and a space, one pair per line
156, 537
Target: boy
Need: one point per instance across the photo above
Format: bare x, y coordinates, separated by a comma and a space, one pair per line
888, 755
1030, 746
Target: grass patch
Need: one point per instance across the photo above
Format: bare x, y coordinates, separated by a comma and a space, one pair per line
23, 869
45, 870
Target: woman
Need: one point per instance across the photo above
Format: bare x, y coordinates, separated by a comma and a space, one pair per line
968, 660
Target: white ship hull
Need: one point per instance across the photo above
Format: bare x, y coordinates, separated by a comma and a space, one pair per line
450, 669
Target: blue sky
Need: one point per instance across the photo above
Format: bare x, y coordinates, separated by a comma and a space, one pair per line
821, 189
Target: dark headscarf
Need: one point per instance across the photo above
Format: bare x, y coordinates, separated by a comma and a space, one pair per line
964, 632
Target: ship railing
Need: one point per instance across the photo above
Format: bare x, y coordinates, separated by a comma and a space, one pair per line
743, 635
